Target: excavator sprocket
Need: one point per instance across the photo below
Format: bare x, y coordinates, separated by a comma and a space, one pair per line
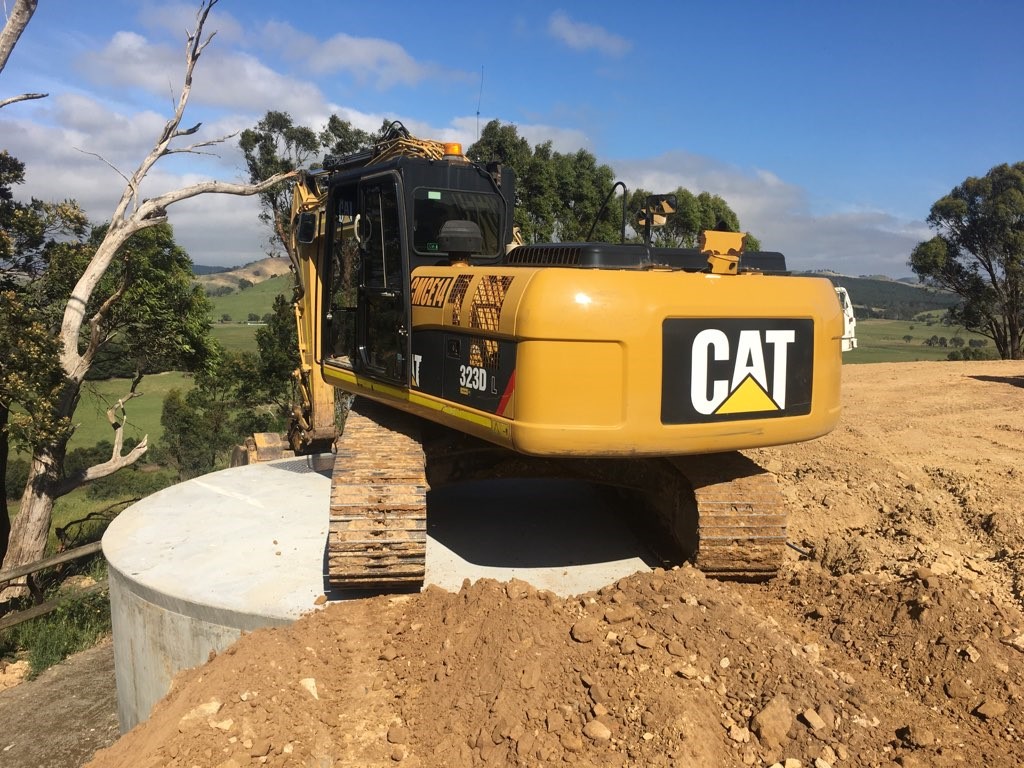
378, 521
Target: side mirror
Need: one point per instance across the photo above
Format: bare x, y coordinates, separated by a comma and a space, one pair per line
305, 232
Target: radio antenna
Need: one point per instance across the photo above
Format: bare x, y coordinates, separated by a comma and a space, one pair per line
479, 98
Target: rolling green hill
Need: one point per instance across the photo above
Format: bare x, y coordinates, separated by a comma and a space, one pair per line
892, 299
236, 332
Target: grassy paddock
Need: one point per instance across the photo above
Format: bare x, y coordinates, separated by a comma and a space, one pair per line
235, 337
258, 298
882, 341
143, 412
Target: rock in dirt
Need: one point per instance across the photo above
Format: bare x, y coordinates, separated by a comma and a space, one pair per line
990, 709
773, 722
585, 631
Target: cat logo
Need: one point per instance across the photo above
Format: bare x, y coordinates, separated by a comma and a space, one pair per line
736, 369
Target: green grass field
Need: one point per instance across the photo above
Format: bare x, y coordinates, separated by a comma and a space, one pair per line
258, 299
143, 412
882, 341
235, 337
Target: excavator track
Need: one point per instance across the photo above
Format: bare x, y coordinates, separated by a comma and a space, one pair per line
378, 519
740, 516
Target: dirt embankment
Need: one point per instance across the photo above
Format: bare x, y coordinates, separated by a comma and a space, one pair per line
899, 640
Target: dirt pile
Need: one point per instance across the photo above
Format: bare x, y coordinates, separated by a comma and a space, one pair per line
659, 669
897, 640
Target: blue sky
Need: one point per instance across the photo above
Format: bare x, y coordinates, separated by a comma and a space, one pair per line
830, 128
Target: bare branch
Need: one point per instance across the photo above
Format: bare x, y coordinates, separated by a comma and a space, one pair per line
22, 97
117, 460
21, 13
187, 131
191, 148
152, 204
106, 162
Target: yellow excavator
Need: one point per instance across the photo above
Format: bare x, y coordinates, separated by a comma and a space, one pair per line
473, 355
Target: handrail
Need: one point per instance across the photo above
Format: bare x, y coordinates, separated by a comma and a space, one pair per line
63, 557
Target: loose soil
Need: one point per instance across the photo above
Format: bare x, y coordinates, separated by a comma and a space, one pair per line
894, 636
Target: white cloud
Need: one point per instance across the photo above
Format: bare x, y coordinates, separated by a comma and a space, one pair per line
178, 19
581, 36
131, 60
226, 79
374, 60
240, 81
856, 242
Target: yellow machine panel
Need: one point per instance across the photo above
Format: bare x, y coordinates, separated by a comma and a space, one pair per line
566, 362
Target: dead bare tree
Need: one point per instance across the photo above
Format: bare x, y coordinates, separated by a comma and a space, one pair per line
21, 14
131, 215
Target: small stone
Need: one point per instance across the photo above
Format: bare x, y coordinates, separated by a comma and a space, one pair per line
598, 694
819, 612
773, 722
531, 677
388, 654
571, 742
398, 734
739, 734
990, 709
813, 719
260, 748
321, 599
918, 736
628, 646
309, 684
202, 712
585, 631
398, 753
597, 731
599, 710
554, 721
972, 653
819, 763
688, 672
792, 762
675, 648
516, 589
222, 725
956, 688
1016, 642
647, 641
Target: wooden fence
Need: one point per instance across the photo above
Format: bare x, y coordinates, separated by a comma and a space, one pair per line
50, 605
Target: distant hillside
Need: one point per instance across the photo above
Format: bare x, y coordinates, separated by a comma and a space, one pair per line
220, 283
891, 299
202, 269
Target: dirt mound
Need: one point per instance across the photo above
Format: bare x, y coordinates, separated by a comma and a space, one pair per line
896, 639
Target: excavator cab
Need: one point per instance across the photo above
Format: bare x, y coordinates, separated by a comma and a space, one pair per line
384, 224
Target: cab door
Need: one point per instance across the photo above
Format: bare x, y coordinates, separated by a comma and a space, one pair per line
384, 334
